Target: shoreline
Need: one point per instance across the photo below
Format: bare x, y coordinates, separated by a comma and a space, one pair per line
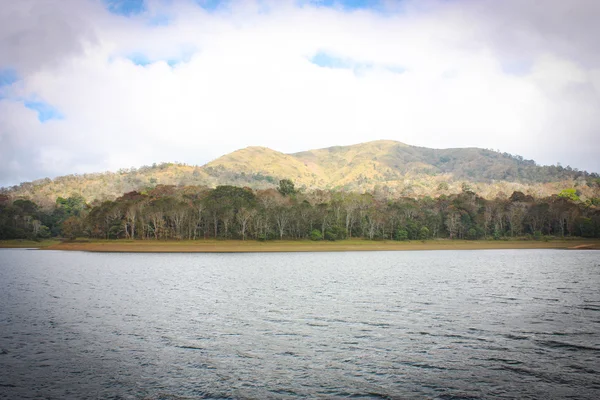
251, 246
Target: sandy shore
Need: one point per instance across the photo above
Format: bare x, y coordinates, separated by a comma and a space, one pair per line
250, 246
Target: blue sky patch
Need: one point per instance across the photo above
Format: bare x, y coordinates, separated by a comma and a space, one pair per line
396, 69
126, 8
349, 5
187, 52
139, 59
159, 20
328, 61
8, 76
186, 57
44, 110
210, 5
325, 60
142, 60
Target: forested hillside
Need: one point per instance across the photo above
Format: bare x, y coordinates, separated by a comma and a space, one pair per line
392, 168
226, 212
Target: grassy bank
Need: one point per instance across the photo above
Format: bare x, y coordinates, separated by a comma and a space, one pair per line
24, 244
238, 246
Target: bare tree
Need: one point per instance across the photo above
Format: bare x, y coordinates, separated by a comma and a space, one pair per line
244, 216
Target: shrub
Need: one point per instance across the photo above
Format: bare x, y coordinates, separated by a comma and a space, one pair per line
338, 232
315, 235
330, 235
472, 234
402, 234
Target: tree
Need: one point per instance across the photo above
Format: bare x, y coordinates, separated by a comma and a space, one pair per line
350, 204
286, 187
224, 202
516, 214
71, 227
178, 214
517, 196
537, 216
315, 235
401, 234
26, 206
244, 216
131, 218
570, 194
452, 223
73, 205
281, 215
585, 227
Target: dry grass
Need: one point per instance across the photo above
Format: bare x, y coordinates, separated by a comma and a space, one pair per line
250, 246
268, 162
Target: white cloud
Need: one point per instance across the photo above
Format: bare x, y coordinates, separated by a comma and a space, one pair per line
246, 79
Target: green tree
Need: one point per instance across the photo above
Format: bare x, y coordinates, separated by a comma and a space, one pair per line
286, 187
315, 235
570, 194
585, 227
25, 206
402, 234
73, 205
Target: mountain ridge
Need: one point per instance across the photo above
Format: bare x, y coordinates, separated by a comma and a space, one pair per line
394, 167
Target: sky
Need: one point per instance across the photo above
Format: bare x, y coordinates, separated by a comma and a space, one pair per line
97, 85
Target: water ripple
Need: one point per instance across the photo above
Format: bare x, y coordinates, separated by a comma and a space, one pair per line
390, 325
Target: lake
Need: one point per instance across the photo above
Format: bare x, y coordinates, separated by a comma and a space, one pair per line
422, 324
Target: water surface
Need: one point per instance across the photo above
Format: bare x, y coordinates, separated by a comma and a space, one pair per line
434, 324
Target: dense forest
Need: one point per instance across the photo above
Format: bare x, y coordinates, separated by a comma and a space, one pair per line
169, 212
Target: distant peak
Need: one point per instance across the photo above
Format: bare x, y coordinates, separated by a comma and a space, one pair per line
386, 142
381, 142
257, 148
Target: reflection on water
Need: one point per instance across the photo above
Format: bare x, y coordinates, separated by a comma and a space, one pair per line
436, 324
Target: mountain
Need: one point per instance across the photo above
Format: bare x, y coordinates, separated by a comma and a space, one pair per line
403, 169
267, 162
391, 167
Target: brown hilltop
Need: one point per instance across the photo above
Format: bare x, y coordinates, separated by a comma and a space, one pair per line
267, 162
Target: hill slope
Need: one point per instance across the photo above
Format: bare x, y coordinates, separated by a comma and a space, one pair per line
262, 160
390, 166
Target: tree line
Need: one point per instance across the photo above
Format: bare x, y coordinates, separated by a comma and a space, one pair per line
169, 212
